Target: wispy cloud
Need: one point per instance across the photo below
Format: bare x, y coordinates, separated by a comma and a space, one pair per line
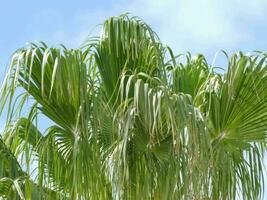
204, 26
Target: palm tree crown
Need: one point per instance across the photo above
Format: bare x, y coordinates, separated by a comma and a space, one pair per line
130, 120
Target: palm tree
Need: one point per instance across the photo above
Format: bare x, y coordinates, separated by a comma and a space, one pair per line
130, 120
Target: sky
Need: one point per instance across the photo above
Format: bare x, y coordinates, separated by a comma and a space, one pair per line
202, 26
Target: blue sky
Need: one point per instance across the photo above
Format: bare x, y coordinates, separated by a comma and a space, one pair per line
203, 26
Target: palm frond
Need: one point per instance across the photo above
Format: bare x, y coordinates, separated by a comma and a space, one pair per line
130, 119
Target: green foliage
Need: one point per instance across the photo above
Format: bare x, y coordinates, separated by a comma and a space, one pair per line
127, 123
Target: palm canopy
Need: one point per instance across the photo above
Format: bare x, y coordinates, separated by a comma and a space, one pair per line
132, 121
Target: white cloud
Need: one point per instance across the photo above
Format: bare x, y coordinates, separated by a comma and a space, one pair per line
189, 24
204, 26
